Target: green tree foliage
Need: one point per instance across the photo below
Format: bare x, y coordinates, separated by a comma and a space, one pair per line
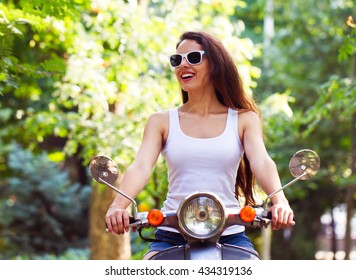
335, 107
43, 211
320, 90
348, 48
80, 77
36, 196
33, 42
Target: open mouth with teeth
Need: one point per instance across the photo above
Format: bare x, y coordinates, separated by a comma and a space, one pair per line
187, 76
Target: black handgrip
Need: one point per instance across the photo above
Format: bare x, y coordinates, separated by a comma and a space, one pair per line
269, 215
132, 220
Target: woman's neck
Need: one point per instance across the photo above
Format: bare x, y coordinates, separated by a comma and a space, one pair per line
203, 104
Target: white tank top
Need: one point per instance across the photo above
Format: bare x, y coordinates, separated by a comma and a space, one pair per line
202, 164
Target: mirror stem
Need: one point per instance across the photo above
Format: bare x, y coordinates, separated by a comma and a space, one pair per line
123, 194
286, 185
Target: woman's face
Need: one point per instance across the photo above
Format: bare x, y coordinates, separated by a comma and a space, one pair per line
191, 77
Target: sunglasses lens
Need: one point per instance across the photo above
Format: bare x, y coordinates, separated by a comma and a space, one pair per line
194, 57
175, 60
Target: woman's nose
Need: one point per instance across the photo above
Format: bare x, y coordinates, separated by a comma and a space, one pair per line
184, 61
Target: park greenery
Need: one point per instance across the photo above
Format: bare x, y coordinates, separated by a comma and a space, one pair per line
80, 77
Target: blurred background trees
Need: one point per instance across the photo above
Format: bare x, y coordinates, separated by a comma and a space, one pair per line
80, 77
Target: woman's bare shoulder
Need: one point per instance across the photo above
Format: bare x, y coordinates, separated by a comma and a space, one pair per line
248, 117
158, 121
159, 117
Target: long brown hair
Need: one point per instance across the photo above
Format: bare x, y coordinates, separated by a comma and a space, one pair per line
229, 90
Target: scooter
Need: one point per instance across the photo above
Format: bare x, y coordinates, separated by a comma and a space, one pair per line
202, 217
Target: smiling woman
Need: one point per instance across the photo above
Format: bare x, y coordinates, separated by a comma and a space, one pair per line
212, 142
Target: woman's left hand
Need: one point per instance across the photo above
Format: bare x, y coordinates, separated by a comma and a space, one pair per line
282, 216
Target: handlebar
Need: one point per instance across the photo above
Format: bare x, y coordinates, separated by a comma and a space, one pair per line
170, 220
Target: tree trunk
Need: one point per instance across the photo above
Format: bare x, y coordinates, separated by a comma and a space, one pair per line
351, 189
267, 240
268, 34
105, 246
333, 235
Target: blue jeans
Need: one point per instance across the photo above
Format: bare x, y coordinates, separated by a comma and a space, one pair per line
172, 239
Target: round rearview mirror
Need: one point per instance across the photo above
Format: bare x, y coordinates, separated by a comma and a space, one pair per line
304, 162
104, 168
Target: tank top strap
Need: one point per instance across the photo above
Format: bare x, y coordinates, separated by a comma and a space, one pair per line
232, 120
173, 121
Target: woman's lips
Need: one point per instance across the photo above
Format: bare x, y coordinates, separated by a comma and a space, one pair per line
186, 77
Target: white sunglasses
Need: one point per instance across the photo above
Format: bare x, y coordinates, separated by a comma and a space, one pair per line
193, 58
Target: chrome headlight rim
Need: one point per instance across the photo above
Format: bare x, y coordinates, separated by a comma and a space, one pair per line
187, 200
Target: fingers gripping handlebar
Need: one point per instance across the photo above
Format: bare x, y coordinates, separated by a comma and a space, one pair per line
269, 216
132, 220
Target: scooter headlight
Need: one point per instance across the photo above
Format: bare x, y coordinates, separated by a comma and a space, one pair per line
201, 215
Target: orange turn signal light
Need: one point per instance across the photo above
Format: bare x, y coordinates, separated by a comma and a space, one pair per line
247, 214
155, 217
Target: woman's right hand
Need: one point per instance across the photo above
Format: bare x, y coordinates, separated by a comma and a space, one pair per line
117, 220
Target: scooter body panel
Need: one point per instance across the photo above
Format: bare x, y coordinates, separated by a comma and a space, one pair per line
231, 252
206, 252
173, 253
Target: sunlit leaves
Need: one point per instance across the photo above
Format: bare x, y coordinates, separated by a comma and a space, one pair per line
348, 48
336, 101
278, 104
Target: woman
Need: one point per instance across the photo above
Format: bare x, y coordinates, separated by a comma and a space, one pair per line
212, 142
